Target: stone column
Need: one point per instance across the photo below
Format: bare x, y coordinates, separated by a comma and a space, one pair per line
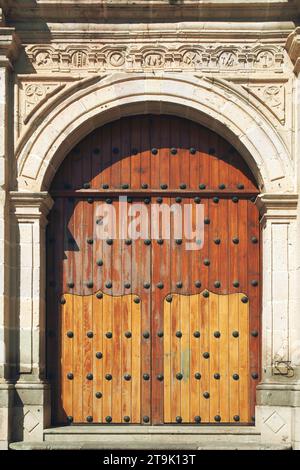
293, 49
8, 47
28, 220
278, 394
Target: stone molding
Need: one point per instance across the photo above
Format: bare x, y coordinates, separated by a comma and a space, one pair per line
277, 206
31, 206
9, 46
293, 49
132, 58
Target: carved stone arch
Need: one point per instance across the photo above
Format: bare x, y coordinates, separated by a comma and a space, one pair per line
214, 103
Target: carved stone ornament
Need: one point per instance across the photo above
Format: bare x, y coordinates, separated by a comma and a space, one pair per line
272, 95
94, 58
33, 94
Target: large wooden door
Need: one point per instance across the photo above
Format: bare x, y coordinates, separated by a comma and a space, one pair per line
144, 330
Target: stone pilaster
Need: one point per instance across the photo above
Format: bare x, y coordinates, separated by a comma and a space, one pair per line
8, 48
278, 394
28, 220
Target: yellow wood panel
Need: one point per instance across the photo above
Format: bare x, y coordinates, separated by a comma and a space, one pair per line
118, 374
107, 356
126, 355
97, 361
216, 317
136, 359
77, 354
67, 362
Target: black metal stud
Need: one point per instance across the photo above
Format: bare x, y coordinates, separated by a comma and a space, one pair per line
62, 300
70, 285
108, 200
70, 334
217, 376
235, 376
160, 334
154, 151
217, 418
90, 334
99, 262
235, 334
206, 262
146, 419
127, 285
205, 294
159, 200
160, 241
217, 334
169, 298
147, 285
179, 376
178, 241
236, 240
98, 395
125, 186
222, 186
70, 419
136, 300
126, 419
86, 185
178, 200
178, 419
240, 186
178, 334
197, 200
236, 284
90, 200
206, 355
216, 199
99, 295
144, 186
164, 186
129, 200
147, 242
192, 151
197, 419
235, 199
254, 333
108, 285
108, 419
160, 285
99, 221
70, 376
245, 300
109, 241
89, 376
236, 418
99, 355
173, 151
197, 283
146, 376
254, 375
128, 334
217, 284
179, 285
105, 186
128, 242
207, 221
127, 377
89, 419
217, 241
89, 284
146, 334
202, 186
253, 198
108, 334
206, 395
197, 334
197, 376
160, 377
254, 240
147, 200
254, 283
108, 376
182, 186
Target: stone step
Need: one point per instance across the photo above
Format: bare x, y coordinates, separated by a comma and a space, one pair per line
150, 444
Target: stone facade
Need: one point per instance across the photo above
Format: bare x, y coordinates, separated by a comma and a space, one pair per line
60, 78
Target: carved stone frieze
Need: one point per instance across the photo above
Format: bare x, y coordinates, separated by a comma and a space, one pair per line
94, 58
273, 96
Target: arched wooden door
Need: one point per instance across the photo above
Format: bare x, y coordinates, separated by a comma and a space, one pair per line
146, 331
